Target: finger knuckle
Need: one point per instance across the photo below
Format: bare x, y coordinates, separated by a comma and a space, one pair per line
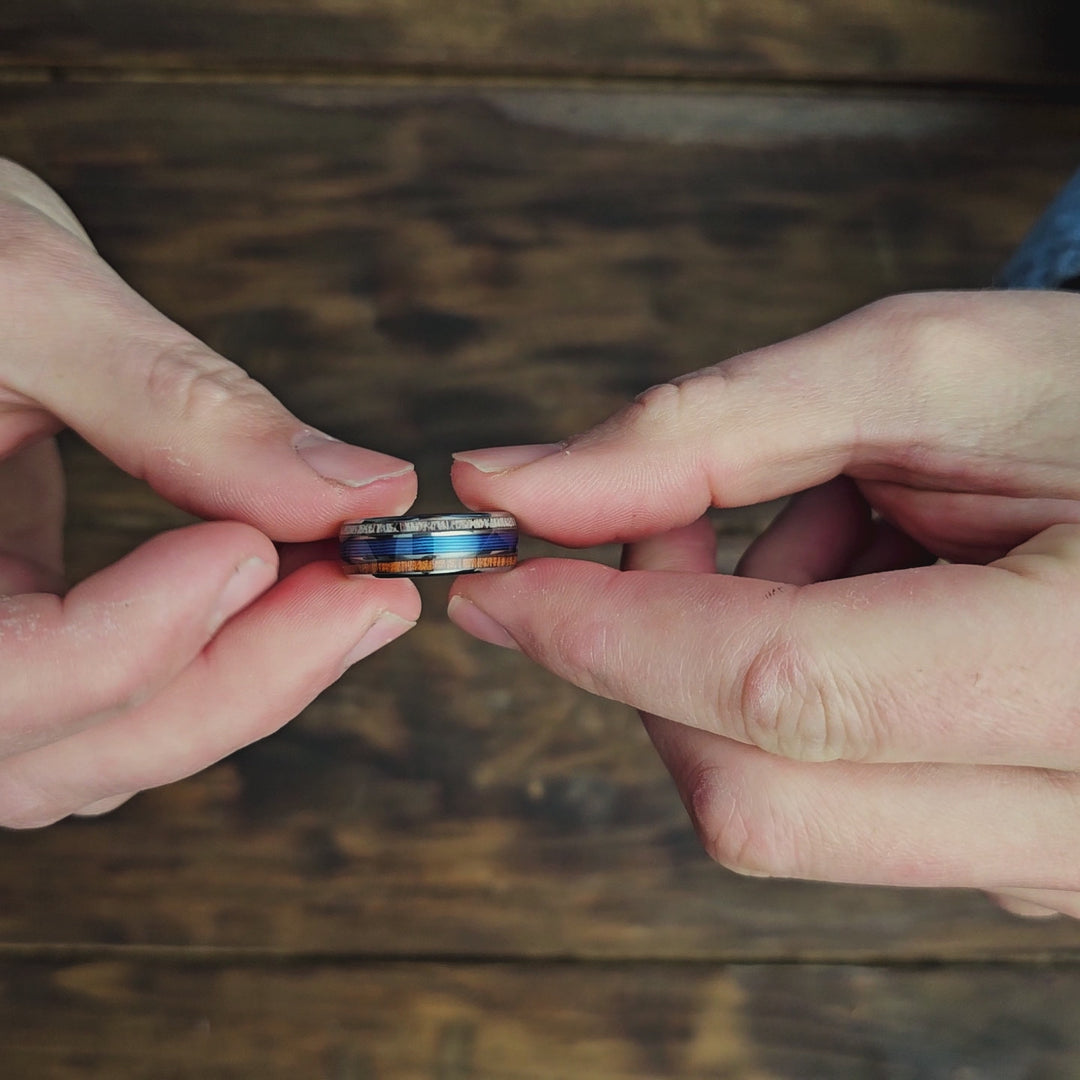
653, 414
792, 704
929, 337
657, 405
671, 407
196, 384
740, 829
122, 685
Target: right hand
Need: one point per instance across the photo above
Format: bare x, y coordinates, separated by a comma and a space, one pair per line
839, 710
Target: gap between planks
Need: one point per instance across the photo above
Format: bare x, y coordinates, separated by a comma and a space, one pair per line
210, 956
339, 75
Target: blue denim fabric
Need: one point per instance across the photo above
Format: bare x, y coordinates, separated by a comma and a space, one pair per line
1049, 256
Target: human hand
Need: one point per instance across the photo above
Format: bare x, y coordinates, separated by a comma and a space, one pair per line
841, 711
189, 647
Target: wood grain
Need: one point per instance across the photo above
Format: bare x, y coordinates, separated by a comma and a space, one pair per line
429, 269
994, 41
147, 1020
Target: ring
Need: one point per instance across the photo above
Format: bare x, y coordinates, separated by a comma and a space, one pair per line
429, 544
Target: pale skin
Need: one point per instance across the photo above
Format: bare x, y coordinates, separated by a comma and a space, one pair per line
203, 639
850, 706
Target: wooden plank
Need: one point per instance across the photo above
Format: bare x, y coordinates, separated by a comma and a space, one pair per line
429, 270
996, 41
145, 1020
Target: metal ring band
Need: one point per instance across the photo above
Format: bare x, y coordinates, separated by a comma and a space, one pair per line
429, 544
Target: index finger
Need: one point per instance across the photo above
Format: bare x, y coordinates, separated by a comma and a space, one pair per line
965, 664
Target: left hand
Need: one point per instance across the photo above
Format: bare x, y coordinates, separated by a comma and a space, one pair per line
189, 647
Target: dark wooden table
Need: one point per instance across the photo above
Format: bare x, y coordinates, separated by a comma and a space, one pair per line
432, 226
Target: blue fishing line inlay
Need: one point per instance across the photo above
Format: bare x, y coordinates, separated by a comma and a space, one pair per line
425, 546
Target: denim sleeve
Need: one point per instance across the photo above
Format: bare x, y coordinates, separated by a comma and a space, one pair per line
1049, 256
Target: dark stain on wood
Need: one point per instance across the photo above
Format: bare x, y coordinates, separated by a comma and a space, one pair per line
435, 332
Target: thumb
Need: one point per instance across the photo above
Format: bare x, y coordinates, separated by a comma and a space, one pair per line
742, 432
91, 352
924, 390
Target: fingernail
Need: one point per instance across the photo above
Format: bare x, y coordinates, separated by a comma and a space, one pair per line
352, 466
103, 806
466, 615
250, 579
386, 628
504, 458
